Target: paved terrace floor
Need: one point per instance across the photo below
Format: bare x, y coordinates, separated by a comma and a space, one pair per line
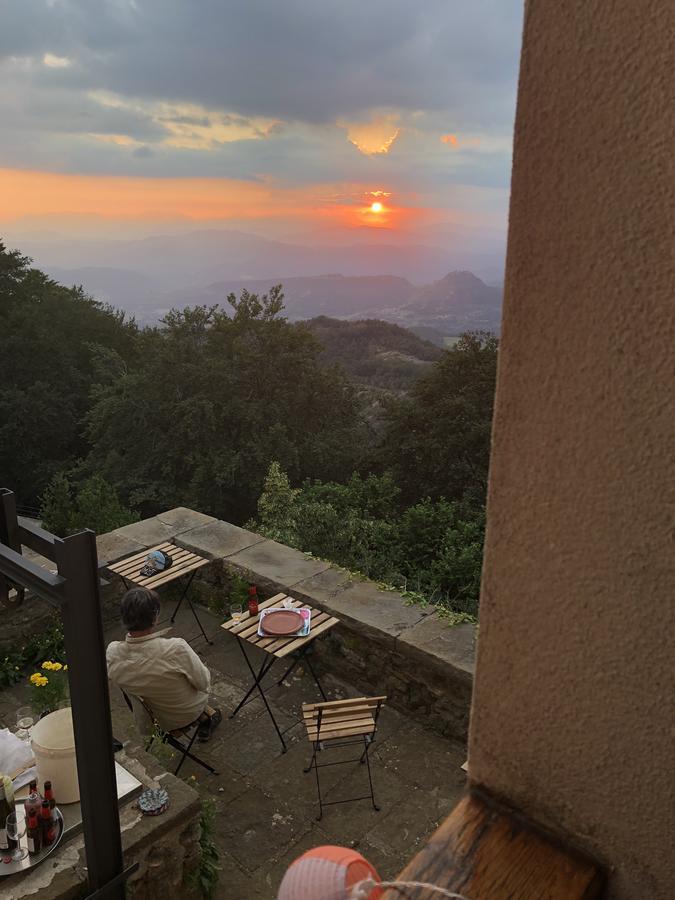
266, 807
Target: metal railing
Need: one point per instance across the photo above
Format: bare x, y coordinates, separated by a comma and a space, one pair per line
74, 591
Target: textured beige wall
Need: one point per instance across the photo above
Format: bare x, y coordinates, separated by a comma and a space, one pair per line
573, 702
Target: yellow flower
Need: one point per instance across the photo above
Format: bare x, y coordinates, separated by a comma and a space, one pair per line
47, 665
35, 677
65, 668
56, 667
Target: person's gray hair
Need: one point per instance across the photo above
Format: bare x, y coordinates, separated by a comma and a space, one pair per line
139, 609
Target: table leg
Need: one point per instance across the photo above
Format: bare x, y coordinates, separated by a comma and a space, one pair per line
316, 677
266, 666
257, 679
182, 597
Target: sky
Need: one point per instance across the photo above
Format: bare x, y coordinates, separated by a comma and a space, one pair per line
294, 118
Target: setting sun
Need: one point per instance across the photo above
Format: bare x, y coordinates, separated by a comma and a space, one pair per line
376, 207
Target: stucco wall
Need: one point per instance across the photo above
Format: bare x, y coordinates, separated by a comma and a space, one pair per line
572, 704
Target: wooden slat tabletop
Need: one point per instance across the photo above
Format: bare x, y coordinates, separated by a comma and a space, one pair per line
247, 628
184, 561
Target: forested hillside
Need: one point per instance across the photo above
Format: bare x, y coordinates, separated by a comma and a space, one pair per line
374, 353
243, 414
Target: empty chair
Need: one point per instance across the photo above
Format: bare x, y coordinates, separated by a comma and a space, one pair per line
341, 723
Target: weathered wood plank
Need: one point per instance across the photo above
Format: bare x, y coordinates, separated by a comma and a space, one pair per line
486, 852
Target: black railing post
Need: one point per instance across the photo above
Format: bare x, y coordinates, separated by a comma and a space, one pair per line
9, 524
85, 651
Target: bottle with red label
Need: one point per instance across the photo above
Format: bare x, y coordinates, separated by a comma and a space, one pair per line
34, 835
47, 825
253, 600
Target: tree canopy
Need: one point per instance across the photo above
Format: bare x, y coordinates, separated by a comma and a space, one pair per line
49, 340
436, 440
211, 399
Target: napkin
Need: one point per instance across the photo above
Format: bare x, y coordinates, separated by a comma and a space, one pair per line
15, 753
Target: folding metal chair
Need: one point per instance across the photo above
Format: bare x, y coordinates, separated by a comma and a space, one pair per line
341, 723
172, 738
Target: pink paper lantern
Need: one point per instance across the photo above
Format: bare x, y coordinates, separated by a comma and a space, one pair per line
328, 873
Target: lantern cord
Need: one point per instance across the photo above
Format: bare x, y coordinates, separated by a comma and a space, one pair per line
363, 889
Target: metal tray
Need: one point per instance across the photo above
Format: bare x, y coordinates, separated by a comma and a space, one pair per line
33, 859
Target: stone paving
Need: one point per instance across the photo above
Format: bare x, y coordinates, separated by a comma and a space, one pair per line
266, 808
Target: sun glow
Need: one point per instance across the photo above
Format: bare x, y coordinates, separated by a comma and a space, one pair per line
376, 207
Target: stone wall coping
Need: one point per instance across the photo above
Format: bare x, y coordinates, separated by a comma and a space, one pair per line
379, 615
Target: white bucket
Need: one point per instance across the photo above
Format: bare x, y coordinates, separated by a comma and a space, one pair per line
54, 748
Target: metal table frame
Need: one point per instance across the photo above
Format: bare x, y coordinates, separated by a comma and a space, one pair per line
185, 563
245, 630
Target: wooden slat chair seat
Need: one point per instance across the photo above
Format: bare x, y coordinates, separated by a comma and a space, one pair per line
341, 718
339, 723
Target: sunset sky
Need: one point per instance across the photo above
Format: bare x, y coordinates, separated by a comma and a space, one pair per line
299, 116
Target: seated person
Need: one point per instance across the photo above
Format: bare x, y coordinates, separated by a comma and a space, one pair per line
165, 672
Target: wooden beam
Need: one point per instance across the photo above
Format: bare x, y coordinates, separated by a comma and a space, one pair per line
486, 852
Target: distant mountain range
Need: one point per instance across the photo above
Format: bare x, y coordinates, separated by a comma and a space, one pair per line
457, 302
148, 276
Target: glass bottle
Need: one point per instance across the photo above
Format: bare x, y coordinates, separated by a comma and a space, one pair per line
7, 844
34, 835
47, 826
33, 801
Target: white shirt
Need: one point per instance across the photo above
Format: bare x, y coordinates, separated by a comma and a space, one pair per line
166, 673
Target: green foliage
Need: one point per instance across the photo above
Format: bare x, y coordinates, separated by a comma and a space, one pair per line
275, 504
431, 551
47, 645
211, 400
49, 338
206, 876
94, 504
372, 352
436, 441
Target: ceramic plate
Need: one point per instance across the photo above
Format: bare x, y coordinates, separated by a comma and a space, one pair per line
282, 622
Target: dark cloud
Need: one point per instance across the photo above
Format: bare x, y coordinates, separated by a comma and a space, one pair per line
289, 74
299, 59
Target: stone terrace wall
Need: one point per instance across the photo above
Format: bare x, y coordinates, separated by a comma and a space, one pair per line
382, 645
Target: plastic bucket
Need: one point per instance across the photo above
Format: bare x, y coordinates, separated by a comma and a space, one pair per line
54, 748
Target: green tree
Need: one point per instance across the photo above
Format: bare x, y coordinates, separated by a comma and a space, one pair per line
56, 508
276, 505
211, 400
436, 441
433, 548
94, 504
49, 339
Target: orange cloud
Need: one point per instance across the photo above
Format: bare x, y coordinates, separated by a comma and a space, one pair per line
375, 137
450, 139
118, 198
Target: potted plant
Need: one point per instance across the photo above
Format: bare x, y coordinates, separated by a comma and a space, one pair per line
49, 686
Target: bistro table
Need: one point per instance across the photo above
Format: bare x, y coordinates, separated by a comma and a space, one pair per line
184, 565
275, 648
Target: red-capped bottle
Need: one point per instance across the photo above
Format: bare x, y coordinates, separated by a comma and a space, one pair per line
47, 826
253, 600
49, 795
34, 835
